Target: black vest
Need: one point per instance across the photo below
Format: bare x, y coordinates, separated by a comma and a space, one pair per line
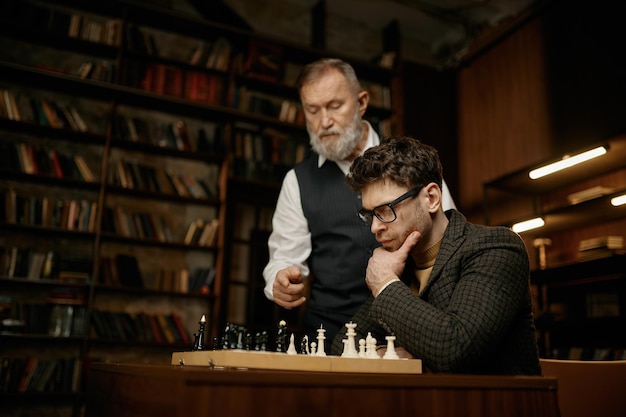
341, 245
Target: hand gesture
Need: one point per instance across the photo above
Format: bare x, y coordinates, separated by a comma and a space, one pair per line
384, 264
288, 288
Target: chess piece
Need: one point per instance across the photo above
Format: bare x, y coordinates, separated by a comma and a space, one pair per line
292, 346
320, 341
247, 344
263, 341
391, 349
198, 343
304, 345
370, 347
362, 353
349, 348
313, 348
281, 337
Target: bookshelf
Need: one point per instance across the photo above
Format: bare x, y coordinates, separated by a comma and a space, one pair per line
142, 152
577, 269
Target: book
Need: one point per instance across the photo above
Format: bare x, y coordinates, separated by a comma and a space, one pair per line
84, 169
609, 242
193, 232
209, 233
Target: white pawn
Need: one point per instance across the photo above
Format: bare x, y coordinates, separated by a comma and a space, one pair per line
391, 350
292, 347
313, 348
362, 353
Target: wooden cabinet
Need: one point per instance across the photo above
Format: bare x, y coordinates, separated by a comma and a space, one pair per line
142, 151
577, 276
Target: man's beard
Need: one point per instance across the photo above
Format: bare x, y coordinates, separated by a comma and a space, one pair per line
342, 147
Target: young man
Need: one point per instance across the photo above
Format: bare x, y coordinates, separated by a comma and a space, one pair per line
315, 229
455, 294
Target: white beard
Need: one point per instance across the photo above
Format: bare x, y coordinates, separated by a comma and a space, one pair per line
342, 147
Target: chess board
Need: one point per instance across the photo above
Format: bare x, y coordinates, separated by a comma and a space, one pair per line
236, 358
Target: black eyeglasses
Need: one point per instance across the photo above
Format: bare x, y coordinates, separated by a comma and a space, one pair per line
385, 212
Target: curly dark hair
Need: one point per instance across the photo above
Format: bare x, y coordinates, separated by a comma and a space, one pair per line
403, 160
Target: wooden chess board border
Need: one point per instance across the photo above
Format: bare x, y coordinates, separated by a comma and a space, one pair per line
236, 358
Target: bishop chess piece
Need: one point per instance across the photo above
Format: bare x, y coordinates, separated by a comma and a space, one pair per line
198, 343
291, 350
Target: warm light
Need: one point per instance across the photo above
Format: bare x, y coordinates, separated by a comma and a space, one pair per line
528, 225
619, 200
566, 162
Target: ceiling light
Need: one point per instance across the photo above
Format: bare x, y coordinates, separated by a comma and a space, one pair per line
528, 225
619, 200
566, 162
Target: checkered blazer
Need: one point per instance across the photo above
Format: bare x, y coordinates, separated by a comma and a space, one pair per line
474, 314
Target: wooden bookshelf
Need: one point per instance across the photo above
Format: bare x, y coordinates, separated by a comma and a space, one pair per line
123, 127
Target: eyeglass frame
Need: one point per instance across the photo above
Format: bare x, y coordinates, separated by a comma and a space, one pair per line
367, 216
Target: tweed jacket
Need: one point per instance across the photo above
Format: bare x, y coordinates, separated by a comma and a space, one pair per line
475, 313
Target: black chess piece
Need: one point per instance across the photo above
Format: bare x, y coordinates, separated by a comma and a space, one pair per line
247, 341
281, 337
304, 345
198, 343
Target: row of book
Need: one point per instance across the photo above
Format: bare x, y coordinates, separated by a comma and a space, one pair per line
31, 210
34, 374
201, 232
138, 225
33, 264
42, 111
380, 95
62, 315
214, 54
285, 110
175, 135
139, 327
137, 176
28, 158
266, 154
60, 22
124, 271
189, 84
95, 70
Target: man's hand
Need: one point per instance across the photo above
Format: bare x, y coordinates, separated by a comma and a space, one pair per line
384, 265
288, 288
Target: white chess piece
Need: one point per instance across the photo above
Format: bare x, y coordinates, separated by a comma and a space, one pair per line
349, 348
313, 348
370, 347
320, 342
391, 350
292, 347
362, 353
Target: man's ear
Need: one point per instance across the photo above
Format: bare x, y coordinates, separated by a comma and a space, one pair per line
434, 197
363, 99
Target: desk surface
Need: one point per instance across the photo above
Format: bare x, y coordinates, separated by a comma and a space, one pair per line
170, 390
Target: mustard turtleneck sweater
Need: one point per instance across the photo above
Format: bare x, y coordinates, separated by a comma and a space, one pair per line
424, 262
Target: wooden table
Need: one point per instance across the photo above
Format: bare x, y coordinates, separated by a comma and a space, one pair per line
120, 390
